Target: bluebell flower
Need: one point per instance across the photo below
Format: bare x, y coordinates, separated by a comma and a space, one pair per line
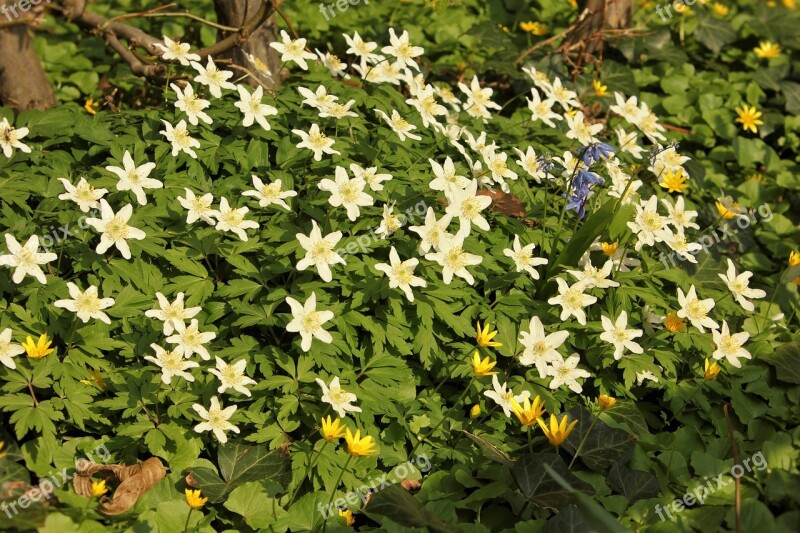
597, 151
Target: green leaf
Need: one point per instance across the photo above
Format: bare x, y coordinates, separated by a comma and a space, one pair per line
600, 445
539, 487
396, 504
633, 484
786, 360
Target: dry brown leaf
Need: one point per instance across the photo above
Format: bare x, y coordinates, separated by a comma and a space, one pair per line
135, 480
504, 203
410, 484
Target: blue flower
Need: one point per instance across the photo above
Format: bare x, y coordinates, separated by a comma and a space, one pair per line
597, 151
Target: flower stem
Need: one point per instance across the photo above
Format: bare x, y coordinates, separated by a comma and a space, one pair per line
335, 486
583, 441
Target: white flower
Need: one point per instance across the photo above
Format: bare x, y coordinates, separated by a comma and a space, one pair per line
403, 50
678, 216
523, 257
364, 50
346, 192
542, 109
216, 419
9, 349
592, 277
114, 229
10, 138
389, 221
729, 346
446, 177
318, 99
190, 340
259, 65
503, 396
582, 131
647, 224
496, 163
332, 63
696, 310
565, 372
629, 142
319, 251
644, 375
426, 105
171, 314
135, 179
399, 125
198, 207
171, 363
232, 219
562, 95
677, 243
82, 194
453, 259
433, 233
530, 163
232, 376
739, 287
401, 273
648, 123
270, 193
478, 100
572, 300
293, 50
540, 349
252, 108
213, 78
370, 175
180, 138
467, 205
539, 78
338, 398
307, 321
191, 104
316, 141
629, 110
618, 334
86, 304
652, 320
667, 160
25, 259
176, 50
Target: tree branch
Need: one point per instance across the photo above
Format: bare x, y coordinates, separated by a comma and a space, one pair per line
240, 37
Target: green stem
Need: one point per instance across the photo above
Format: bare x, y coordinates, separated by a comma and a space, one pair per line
188, 516
335, 486
583, 441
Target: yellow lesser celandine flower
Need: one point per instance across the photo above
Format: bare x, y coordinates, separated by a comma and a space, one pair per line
727, 209
347, 514
358, 446
573, 3
609, 248
767, 49
682, 9
482, 368
756, 176
794, 259
528, 413
39, 349
90, 105
475, 411
673, 323
674, 181
748, 118
606, 402
721, 10
99, 488
332, 430
789, 4
536, 28
194, 498
484, 336
558, 431
599, 89
711, 370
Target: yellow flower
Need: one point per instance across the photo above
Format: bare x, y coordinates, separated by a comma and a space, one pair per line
347, 514
194, 499
482, 368
599, 88
721, 9
767, 49
674, 181
99, 488
748, 118
557, 432
683, 9
789, 4
794, 259
332, 430
673, 323
90, 105
2, 445
727, 208
535, 28
97, 379
757, 177
711, 370
40, 349
606, 402
484, 337
528, 413
572, 111
573, 3
475, 411
359, 447
609, 248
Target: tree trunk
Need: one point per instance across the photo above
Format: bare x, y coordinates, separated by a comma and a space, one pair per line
233, 13
587, 38
23, 84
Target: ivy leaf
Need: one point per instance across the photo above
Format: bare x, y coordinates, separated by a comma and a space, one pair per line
538, 486
600, 445
402, 508
633, 484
